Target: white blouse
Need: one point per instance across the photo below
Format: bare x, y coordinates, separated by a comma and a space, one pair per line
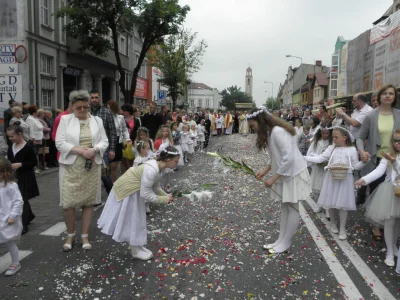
392, 171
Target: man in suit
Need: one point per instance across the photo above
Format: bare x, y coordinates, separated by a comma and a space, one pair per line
152, 120
7, 117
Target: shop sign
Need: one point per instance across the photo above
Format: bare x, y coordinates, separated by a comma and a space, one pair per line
72, 71
141, 88
10, 89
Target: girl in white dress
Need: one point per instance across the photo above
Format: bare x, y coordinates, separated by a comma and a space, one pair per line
383, 207
176, 137
11, 205
201, 137
185, 140
142, 134
290, 178
298, 128
194, 135
338, 194
124, 215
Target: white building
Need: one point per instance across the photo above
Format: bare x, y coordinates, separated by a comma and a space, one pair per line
203, 96
249, 82
156, 86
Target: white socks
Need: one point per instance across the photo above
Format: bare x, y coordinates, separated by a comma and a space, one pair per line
12, 247
283, 224
291, 219
343, 220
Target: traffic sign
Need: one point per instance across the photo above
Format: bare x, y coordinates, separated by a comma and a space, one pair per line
162, 96
7, 53
8, 69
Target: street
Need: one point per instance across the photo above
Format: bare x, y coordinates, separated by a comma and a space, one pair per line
203, 249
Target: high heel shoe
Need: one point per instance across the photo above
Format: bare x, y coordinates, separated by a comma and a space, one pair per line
85, 246
68, 246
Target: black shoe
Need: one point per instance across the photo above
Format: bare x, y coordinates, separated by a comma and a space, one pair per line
360, 199
25, 229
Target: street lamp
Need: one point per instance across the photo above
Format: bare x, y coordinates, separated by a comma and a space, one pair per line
301, 62
272, 87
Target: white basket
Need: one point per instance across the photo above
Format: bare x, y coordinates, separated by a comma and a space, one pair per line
339, 171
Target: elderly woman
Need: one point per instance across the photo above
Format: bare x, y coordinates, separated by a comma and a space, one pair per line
377, 130
46, 137
17, 116
123, 136
35, 130
82, 141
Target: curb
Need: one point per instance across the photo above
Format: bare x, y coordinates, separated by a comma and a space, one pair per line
46, 172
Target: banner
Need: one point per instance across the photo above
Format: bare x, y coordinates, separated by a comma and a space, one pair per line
392, 63
385, 28
379, 63
141, 88
343, 71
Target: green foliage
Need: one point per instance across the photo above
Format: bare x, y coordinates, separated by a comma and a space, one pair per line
178, 57
91, 20
232, 95
273, 104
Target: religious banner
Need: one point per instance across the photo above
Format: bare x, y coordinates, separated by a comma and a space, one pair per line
385, 28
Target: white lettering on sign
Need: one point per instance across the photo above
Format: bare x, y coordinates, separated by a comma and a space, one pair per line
140, 86
10, 89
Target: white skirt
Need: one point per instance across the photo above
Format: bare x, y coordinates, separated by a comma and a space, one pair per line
337, 193
190, 148
228, 130
201, 138
295, 189
180, 162
317, 177
382, 205
125, 220
185, 148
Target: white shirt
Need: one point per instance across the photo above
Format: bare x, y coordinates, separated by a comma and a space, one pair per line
359, 115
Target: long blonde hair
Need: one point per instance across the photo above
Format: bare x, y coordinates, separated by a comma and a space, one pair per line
159, 133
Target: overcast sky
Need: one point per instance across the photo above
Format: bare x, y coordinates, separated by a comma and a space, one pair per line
262, 32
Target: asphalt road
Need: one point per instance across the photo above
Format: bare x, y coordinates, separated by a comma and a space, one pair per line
210, 248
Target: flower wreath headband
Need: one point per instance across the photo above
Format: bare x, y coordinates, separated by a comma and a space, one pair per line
261, 109
337, 127
164, 150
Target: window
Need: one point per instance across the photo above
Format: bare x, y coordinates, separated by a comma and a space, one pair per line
191, 102
46, 64
207, 103
248, 81
335, 62
47, 91
63, 24
200, 103
122, 45
334, 91
44, 12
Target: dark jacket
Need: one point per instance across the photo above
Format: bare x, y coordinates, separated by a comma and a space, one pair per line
152, 122
207, 125
135, 129
7, 117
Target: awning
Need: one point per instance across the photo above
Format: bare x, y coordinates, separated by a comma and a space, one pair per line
336, 105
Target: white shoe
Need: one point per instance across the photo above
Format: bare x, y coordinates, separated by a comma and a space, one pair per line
86, 246
12, 269
334, 228
342, 236
138, 253
146, 250
389, 261
268, 246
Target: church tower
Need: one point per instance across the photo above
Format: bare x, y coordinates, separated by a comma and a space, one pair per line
249, 82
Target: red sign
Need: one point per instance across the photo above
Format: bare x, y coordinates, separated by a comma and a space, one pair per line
142, 90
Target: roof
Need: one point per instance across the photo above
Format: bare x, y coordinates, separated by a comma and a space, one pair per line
385, 15
198, 85
249, 69
321, 79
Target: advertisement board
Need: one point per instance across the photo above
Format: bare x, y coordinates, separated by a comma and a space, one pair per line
141, 88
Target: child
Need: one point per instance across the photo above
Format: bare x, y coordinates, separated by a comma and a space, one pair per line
338, 194
290, 178
185, 140
176, 137
298, 128
163, 137
142, 134
124, 215
11, 205
383, 207
305, 140
201, 138
314, 125
194, 136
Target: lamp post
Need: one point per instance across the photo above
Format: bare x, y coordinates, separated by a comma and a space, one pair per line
272, 95
301, 62
267, 98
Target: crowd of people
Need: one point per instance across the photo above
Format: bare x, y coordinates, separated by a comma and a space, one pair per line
133, 152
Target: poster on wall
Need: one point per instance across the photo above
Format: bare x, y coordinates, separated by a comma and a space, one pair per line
385, 28
10, 89
343, 70
392, 63
379, 63
141, 88
369, 68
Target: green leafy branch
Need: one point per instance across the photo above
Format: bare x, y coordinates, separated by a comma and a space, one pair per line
177, 193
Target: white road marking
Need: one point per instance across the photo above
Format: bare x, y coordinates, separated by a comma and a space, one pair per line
55, 230
369, 276
5, 260
348, 286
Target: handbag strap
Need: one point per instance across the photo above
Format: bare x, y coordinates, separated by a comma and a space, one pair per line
348, 155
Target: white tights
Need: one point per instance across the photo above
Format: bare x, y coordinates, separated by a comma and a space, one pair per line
391, 227
342, 217
290, 218
12, 247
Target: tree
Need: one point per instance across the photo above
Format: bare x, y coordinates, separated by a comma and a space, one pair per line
178, 58
232, 95
91, 20
273, 103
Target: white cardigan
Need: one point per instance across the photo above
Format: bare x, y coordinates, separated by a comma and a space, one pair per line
68, 133
122, 130
35, 128
391, 173
287, 159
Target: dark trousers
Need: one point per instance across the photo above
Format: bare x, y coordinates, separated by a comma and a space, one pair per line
27, 214
207, 139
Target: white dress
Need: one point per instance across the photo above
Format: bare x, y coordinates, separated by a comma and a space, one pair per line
287, 161
177, 145
185, 138
191, 141
201, 133
318, 172
299, 131
139, 159
125, 220
382, 204
11, 205
338, 193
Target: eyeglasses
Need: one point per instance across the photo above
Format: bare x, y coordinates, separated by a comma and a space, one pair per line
81, 107
396, 141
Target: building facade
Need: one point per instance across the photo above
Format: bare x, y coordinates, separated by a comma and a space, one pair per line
54, 66
201, 95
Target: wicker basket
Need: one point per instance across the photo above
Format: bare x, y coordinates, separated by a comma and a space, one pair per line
339, 171
396, 188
